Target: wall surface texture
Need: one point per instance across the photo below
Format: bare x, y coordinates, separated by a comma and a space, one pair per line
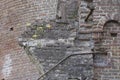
14, 16
81, 26
58, 42
107, 17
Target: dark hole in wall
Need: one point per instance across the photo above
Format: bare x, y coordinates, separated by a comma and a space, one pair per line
89, 0
11, 29
58, 17
113, 34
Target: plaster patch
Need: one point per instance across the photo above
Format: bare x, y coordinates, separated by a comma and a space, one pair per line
7, 68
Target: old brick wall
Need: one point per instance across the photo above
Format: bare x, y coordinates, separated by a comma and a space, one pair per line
14, 16
107, 11
54, 44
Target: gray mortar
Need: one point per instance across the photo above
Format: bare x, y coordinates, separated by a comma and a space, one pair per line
58, 42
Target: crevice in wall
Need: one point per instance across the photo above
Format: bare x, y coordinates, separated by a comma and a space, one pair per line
11, 29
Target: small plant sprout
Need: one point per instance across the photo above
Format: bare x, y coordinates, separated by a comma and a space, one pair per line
39, 28
28, 24
34, 36
48, 26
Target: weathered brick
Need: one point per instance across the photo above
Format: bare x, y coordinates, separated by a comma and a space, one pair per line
16, 13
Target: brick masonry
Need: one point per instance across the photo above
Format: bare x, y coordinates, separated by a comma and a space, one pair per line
54, 44
14, 16
104, 13
103, 23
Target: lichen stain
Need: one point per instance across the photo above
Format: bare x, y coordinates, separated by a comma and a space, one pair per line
7, 68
